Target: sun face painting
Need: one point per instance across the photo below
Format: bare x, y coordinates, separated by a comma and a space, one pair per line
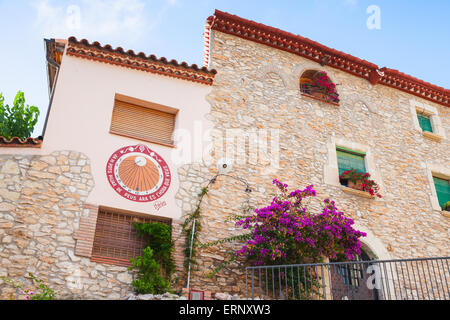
138, 173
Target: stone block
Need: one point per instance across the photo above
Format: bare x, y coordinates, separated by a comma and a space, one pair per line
10, 167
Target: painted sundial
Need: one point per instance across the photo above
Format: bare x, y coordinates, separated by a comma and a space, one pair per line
139, 174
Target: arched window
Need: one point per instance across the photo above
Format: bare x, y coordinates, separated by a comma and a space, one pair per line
318, 85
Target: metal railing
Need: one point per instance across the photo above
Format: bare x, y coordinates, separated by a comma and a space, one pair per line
313, 90
406, 279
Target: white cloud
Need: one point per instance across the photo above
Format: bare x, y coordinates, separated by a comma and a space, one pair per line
97, 19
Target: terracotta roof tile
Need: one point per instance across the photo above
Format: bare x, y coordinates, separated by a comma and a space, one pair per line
140, 61
18, 143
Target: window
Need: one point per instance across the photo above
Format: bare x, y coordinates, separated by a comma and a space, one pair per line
349, 159
116, 240
425, 123
426, 120
317, 84
143, 120
442, 189
344, 155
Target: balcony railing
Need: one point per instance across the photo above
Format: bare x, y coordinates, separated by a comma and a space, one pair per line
407, 279
318, 93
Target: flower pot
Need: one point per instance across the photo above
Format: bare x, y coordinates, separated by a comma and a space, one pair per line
319, 95
343, 182
354, 185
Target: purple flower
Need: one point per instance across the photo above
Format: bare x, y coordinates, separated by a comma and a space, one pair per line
285, 229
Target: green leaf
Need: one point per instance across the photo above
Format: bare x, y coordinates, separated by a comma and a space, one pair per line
18, 120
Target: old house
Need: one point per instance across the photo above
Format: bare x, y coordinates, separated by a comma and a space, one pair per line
134, 137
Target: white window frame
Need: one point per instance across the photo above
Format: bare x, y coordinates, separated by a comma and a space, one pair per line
438, 171
331, 169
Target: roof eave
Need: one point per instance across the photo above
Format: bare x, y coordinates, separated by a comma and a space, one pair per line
298, 45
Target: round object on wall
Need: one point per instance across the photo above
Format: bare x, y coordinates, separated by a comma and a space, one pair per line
139, 174
224, 165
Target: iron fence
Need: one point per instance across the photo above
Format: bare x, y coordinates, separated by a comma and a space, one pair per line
319, 93
406, 279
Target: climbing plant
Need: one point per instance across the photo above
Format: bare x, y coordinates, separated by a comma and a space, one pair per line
42, 292
191, 230
155, 266
192, 224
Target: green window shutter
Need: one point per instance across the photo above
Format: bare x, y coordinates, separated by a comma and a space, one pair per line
443, 190
347, 161
425, 123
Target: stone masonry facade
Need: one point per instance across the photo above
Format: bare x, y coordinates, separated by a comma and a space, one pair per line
258, 87
42, 199
47, 229
46, 226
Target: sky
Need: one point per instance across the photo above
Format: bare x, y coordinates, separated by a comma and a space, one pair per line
411, 36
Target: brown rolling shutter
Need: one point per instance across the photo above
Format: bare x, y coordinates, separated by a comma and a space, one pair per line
142, 122
116, 239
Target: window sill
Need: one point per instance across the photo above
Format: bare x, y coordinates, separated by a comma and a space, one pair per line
111, 261
146, 140
318, 99
357, 192
432, 136
445, 213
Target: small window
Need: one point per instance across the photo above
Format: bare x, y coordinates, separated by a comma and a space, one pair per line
425, 123
318, 85
349, 159
116, 240
442, 189
143, 120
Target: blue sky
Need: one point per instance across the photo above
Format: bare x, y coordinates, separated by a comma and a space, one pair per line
413, 38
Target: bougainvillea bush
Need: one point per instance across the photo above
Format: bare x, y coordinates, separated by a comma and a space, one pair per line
286, 232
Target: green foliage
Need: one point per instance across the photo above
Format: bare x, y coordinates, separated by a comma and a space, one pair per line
191, 233
18, 120
155, 266
446, 206
45, 294
149, 278
159, 239
240, 237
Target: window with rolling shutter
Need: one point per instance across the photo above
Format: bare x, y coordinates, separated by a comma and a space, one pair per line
348, 159
143, 120
442, 189
116, 240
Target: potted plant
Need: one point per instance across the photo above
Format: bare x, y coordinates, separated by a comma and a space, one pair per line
322, 88
351, 178
446, 206
360, 181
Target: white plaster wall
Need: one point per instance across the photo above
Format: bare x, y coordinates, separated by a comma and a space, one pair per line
80, 120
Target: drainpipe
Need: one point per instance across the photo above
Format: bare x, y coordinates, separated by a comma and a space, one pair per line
54, 64
190, 254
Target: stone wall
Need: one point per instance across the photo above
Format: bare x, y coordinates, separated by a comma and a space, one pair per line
42, 199
257, 88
